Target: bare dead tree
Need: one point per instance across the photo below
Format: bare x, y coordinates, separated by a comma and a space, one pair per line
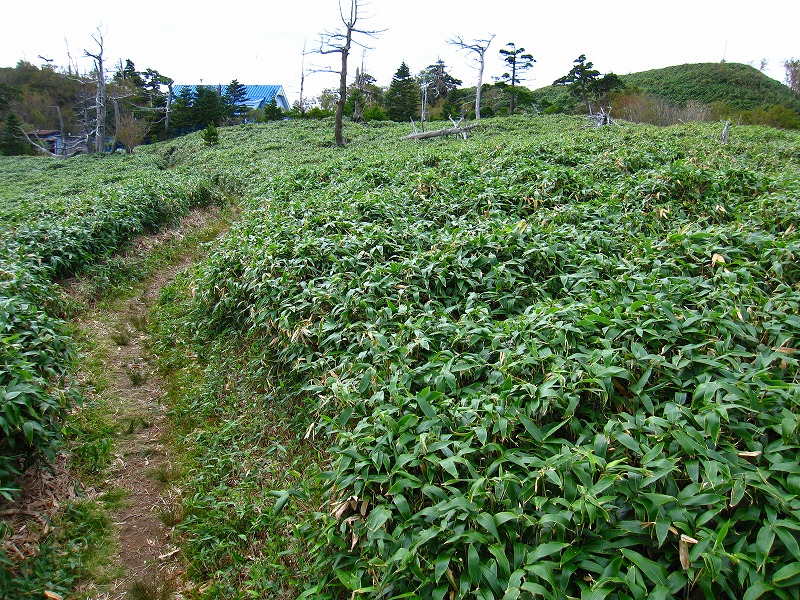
168, 108
602, 117
69, 147
460, 129
301, 105
339, 42
724, 136
478, 48
792, 67
100, 97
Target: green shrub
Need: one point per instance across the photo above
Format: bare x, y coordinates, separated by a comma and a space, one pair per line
211, 135
375, 113
35, 388
550, 361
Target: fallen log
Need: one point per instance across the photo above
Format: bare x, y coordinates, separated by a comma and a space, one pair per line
422, 135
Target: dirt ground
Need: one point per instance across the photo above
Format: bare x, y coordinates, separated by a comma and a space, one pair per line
142, 465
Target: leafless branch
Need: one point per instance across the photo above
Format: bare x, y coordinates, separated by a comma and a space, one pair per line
478, 48
339, 42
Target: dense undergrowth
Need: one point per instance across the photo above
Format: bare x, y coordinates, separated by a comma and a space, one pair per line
60, 219
549, 361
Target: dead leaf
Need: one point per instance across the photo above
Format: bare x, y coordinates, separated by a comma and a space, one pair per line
717, 258
785, 350
749, 454
683, 553
53, 595
688, 540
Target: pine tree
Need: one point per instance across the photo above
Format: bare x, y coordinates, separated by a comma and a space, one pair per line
273, 112
235, 97
208, 107
402, 98
11, 142
518, 62
580, 79
211, 135
439, 82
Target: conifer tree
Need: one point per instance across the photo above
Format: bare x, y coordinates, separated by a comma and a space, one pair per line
211, 135
402, 98
518, 62
439, 82
580, 79
273, 112
11, 142
235, 96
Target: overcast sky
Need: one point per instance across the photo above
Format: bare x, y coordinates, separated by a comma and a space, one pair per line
261, 41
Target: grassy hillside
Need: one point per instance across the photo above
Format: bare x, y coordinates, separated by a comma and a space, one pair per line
549, 360
739, 86
726, 90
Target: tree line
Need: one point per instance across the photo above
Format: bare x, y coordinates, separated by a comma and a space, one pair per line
104, 110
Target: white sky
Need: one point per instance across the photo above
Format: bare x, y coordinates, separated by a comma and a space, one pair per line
261, 41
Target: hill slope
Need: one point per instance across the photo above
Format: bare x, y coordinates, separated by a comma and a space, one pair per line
740, 86
526, 363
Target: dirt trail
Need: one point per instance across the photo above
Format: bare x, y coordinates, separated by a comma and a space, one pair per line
142, 470
142, 462
142, 465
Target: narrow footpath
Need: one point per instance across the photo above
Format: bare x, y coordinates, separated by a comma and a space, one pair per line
142, 469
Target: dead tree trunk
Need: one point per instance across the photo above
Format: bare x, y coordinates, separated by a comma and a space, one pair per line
339, 42
724, 137
478, 48
100, 96
169, 106
457, 129
62, 131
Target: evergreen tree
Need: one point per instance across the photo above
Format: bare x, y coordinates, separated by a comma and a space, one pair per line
439, 82
182, 118
402, 98
208, 107
7, 94
235, 97
580, 79
11, 141
272, 111
130, 74
211, 135
518, 62
585, 82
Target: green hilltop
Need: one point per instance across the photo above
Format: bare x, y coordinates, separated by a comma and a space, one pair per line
722, 90
740, 86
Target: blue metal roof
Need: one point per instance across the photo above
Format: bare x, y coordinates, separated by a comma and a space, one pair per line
257, 95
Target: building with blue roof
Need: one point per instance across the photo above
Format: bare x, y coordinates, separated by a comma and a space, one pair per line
258, 96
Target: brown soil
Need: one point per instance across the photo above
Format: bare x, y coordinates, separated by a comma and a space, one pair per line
142, 462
